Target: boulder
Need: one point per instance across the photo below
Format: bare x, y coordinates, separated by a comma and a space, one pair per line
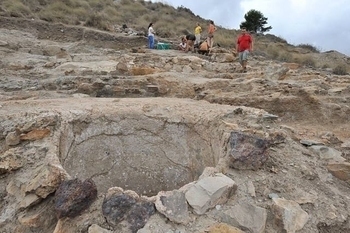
173, 205
209, 192
247, 151
288, 215
73, 197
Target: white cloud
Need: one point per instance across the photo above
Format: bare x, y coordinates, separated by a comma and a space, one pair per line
322, 23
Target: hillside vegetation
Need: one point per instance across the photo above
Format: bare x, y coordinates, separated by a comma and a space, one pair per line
105, 14
170, 22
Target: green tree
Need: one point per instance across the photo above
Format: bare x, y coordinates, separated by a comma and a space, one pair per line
255, 21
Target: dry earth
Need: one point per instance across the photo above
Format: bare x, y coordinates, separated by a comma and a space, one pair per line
79, 103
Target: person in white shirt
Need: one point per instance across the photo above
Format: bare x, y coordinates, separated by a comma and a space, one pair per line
182, 45
151, 33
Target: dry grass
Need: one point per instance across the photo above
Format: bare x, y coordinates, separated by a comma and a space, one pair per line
340, 70
285, 57
15, 8
306, 60
168, 21
273, 51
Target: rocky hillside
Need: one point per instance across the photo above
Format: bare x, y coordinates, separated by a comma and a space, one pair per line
100, 134
170, 24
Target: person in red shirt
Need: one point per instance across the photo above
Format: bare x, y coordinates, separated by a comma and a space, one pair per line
244, 46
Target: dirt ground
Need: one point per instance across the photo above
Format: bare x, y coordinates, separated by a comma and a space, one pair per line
44, 66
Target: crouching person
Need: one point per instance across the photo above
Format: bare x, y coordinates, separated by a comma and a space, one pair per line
190, 39
204, 48
183, 44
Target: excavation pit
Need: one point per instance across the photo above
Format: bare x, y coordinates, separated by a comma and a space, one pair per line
139, 152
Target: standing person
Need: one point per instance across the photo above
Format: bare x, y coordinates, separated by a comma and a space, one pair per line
244, 46
151, 33
197, 33
211, 30
190, 38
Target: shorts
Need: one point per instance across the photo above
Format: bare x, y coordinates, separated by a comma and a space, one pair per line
211, 35
243, 56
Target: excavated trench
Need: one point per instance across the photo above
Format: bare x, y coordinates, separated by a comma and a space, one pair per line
139, 153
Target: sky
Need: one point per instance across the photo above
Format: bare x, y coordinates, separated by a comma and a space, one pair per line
324, 24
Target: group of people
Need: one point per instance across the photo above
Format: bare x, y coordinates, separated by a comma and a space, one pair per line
190, 41
244, 43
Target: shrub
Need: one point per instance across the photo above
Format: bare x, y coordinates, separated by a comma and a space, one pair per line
274, 38
58, 12
340, 70
309, 47
184, 9
325, 66
308, 61
96, 20
16, 8
80, 14
273, 52
285, 57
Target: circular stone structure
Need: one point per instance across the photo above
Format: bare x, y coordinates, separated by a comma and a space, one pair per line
145, 147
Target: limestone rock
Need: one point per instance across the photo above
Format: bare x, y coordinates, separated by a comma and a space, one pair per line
346, 144
292, 66
13, 138
122, 68
97, 229
247, 151
340, 170
186, 69
74, 196
35, 134
158, 224
224, 57
142, 70
51, 50
3, 43
10, 161
39, 217
173, 205
327, 153
224, 228
45, 180
29, 221
247, 216
49, 64
210, 191
251, 189
310, 143
29, 200
85, 88
289, 215
59, 227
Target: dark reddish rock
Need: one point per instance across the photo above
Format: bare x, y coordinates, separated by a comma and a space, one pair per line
139, 215
247, 151
73, 197
119, 207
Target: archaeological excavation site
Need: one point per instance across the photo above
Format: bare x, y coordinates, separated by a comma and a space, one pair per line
100, 135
